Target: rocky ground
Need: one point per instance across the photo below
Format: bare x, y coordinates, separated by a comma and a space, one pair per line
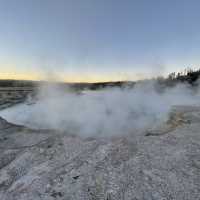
161, 164
10, 96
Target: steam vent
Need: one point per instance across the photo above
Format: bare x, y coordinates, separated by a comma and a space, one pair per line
163, 163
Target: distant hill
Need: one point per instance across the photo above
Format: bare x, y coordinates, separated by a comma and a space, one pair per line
188, 76
78, 86
18, 83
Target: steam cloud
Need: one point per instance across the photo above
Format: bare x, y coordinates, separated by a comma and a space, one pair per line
105, 112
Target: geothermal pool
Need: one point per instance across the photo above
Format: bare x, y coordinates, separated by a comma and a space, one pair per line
104, 112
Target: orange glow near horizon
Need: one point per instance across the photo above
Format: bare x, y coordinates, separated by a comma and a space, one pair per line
18, 76
86, 78
14, 74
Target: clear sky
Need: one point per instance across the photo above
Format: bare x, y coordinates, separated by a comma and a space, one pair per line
97, 40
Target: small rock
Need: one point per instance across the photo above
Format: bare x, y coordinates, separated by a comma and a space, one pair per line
41, 151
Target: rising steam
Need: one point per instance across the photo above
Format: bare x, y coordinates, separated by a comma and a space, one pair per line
105, 112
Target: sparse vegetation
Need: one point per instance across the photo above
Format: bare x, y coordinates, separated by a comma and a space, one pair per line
187, 76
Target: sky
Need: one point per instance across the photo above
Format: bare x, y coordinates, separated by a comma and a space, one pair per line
97, 40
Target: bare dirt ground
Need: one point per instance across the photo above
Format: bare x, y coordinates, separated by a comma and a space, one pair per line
163, 163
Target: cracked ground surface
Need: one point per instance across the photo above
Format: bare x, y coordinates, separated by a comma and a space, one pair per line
163, 163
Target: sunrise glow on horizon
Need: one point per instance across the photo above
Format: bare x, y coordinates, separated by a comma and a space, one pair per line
97, 41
